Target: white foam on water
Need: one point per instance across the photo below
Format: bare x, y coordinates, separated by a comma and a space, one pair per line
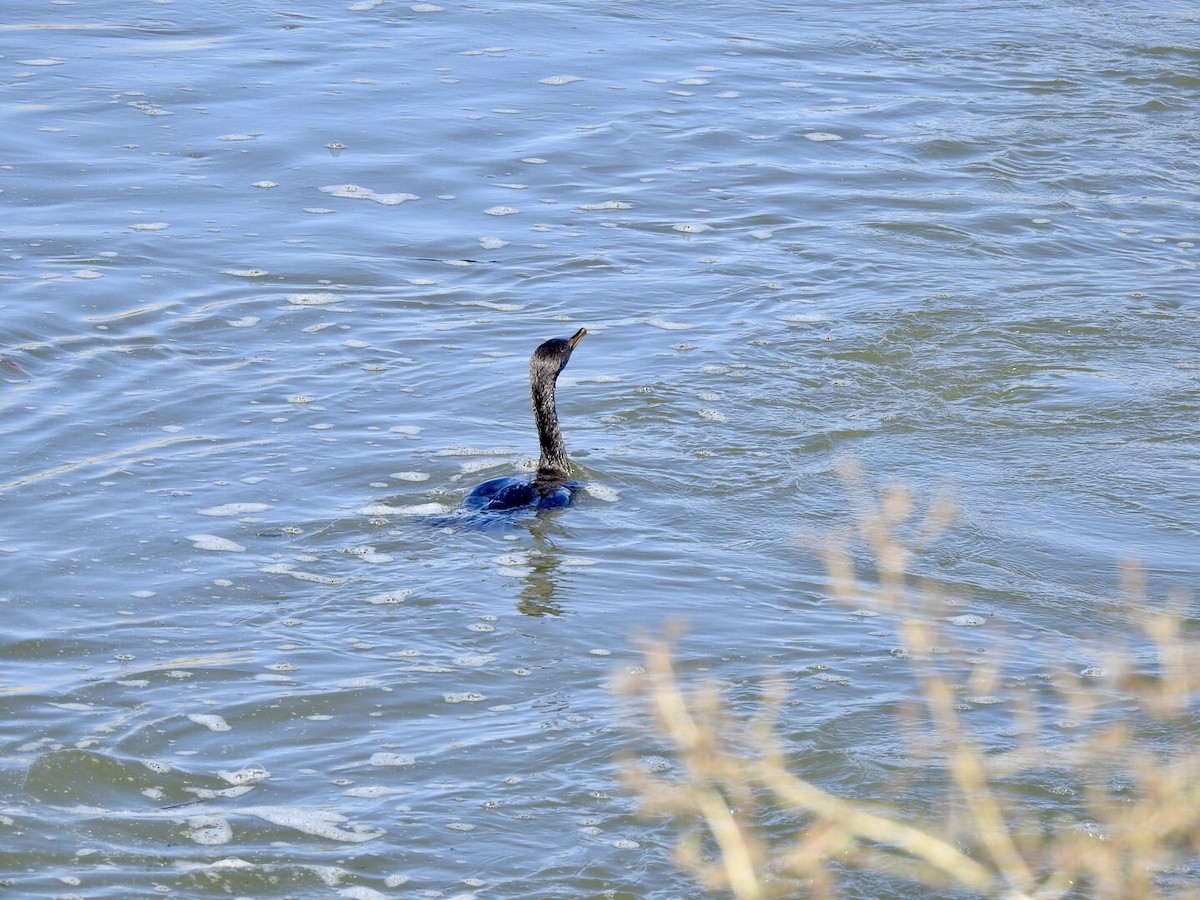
210, 831
474, 660
968, 621
464, 697
371, 791
321, 298
602, 492
366, 554
418, 509
210, 794
666, 325
606, 205
475, 451
312, 577
354, 684
215, 544
74, 707
491, 304
244, 776
357, 192
211, 722
361, 891
317, 823
235, 509
231, 862
391, 759
390, 597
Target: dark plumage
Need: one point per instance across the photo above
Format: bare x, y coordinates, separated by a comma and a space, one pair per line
551, 486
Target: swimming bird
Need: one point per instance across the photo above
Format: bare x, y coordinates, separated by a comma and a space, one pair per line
551, 486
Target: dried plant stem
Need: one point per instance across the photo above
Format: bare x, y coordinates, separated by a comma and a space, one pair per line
859, 825
1130, 824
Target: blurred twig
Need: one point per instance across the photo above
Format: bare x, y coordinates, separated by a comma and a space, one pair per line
1133, 825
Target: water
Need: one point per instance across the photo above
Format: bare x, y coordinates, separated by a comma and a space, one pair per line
274, 274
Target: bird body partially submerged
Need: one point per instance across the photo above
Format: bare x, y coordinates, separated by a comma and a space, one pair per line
551, 486
515, 492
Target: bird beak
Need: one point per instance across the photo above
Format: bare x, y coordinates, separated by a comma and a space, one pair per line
576, 338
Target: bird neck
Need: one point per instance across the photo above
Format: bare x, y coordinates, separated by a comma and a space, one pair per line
553, 464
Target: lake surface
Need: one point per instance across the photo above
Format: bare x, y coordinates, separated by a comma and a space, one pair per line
271, 276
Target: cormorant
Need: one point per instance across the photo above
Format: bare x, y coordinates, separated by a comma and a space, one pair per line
551, 486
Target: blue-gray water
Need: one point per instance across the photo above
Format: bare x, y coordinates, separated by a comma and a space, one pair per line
270, 276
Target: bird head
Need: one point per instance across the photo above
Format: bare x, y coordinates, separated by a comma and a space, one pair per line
551, 357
